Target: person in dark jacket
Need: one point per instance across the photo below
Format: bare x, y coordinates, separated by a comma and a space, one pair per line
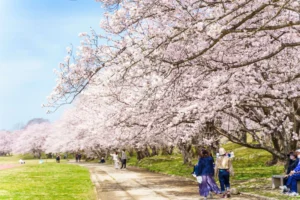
293, 177
205, 169
58, 158
293, 162
102, 160
76, 157
79, 157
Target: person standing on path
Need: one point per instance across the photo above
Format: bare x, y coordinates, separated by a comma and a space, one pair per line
123, 159
79, 157
223, 170
76, 157
58, 158
116, 160
205, 169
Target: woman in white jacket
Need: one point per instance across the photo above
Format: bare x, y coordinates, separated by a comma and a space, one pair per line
116, 160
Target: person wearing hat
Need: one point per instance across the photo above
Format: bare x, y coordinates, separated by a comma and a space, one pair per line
223, 170
293, 177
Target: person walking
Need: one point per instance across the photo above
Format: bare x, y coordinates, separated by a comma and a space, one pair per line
123, 159
58, 158
223, 170
79, 157
116, 160
205, 169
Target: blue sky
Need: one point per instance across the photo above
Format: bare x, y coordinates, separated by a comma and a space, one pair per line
34, 35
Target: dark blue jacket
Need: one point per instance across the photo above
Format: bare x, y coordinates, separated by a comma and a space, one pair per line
205, 166
292, 165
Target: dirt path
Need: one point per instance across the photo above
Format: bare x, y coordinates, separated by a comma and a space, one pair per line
135, 184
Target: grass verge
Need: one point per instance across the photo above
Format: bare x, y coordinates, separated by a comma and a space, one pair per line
47, 181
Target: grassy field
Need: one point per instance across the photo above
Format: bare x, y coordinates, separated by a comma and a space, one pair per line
251, 173
45, 181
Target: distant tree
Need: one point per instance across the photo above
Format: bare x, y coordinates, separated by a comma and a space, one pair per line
32, 139
36, 121
6, 139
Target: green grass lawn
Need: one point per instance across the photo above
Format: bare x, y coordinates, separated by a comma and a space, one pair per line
251, 173
45, 181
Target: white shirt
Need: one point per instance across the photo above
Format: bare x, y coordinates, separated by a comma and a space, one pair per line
115, 157
124, 155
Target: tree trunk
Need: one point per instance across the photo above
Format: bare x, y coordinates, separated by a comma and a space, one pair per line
131, 152
274, 160
186, 151
107, 154
146, 152
170, 151
140, 154
215, 147
98, 153
243, 137
153, 151
164, 150
197, 152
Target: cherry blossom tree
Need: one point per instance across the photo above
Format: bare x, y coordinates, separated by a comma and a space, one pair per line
32, 139
166, 69
6, 139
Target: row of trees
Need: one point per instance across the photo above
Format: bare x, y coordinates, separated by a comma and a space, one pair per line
182, 73
43, 137
29, 139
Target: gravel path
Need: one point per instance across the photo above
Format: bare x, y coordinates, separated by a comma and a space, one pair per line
136, 184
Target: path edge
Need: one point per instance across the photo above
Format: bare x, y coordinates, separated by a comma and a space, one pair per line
258, 196
193, 179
